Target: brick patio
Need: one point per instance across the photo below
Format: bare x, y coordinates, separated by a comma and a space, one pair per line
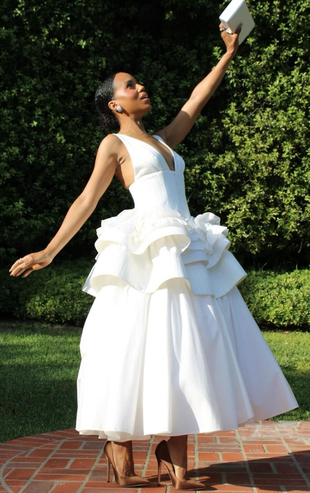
261, 457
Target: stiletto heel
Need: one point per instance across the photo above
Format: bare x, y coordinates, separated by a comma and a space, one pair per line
163, 457
130, 481
159, 470
108, 471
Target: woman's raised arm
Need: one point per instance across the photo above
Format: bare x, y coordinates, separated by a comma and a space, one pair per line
185, 119
79, 212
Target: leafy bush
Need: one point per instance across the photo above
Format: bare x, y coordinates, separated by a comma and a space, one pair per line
248, 155
280, 300
54, 295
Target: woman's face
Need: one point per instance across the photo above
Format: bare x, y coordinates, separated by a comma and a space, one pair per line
130, 95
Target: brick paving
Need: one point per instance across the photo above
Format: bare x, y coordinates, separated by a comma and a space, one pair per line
263, 457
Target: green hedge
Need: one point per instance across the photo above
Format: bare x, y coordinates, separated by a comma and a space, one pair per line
54, 295
280, 300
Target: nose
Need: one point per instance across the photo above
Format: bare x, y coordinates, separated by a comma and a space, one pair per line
141, 88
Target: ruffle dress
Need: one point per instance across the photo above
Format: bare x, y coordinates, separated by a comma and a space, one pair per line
169, 347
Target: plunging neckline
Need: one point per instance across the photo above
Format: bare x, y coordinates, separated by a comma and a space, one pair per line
156, 150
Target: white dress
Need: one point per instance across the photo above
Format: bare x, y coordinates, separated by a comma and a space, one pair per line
169, 346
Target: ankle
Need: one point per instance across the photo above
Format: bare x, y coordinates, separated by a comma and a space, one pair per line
123, 458
177, 447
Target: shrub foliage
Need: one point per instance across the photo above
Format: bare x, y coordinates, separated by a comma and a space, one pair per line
247, 157
54, 295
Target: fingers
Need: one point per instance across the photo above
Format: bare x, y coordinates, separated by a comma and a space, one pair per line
237, 31
34, 261
21, 266
17, 268
27, 272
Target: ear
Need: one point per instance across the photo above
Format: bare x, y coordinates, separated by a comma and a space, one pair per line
112, 105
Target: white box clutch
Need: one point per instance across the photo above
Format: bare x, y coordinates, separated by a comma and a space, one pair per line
237, 13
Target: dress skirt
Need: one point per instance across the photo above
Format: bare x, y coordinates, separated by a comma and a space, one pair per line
172, 362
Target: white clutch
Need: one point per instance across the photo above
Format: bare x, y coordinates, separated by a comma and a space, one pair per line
237, 13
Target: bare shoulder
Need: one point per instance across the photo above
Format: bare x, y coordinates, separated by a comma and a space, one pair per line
108, 152
167, 137
110, 144
161, 133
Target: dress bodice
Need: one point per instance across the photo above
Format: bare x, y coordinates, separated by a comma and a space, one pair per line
158, 240
155, 185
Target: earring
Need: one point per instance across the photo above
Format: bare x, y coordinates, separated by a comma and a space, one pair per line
119, 109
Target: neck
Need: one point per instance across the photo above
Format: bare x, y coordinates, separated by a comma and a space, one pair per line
132, 127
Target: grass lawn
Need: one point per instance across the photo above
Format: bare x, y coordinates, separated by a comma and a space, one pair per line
39, 365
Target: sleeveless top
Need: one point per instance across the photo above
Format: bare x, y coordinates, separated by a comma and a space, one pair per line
158, 239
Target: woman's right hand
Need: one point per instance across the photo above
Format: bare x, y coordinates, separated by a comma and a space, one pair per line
34, 261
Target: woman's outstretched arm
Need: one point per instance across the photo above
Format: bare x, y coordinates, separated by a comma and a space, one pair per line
185, 119
79, 212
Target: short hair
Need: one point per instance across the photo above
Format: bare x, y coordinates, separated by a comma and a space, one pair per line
104, 94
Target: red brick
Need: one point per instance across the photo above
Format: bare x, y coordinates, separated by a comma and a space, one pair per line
276, 448
276, 480
21, 474
14, 489
260, 467
259, 490
268, 456
296, 448
286, 468
99, 475
82, 463
25, 462
101, 484
208, 457
74, 453
208, 439
303, 425
304, 490
253, 448
229, 439
39, 487
92, 445
71, 444
66, 487
40, 453
302, 456
106, 487
225, 433
239, 478
60, 477
234, 457
154, 489
56, 463
16, 484
229, 488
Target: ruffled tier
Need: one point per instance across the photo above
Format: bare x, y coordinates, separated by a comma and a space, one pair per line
178, 364
146, 249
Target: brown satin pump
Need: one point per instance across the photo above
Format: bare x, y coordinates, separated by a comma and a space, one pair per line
163, 457
130, 480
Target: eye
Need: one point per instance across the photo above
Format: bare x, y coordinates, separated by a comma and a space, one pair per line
130, 83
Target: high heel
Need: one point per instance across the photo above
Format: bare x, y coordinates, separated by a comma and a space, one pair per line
124, 481
163, 457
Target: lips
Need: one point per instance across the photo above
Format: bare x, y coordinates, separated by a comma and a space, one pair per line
145, 96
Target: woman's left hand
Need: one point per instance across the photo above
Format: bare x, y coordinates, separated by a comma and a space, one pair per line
230, 40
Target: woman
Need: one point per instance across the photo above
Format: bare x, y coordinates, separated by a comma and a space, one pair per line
169, 347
